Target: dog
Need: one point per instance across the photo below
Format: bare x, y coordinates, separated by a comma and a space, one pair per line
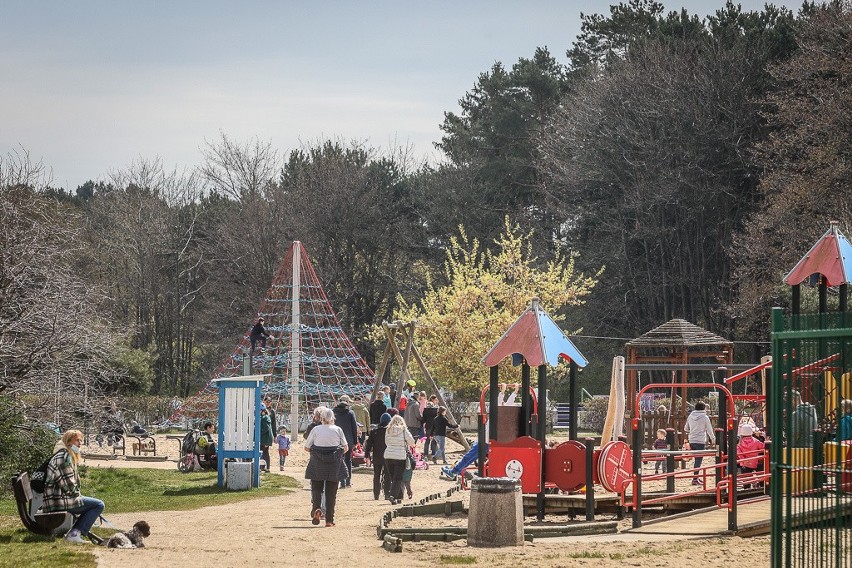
134, 538
145, 446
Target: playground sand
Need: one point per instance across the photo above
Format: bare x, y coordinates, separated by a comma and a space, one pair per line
276, 531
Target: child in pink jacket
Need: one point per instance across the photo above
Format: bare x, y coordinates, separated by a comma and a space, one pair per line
749, 450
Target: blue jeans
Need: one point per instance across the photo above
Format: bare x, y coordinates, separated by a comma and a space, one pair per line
87, 514
698, 459
441, 441
468, 458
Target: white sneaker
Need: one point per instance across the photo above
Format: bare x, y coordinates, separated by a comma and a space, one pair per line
75, 537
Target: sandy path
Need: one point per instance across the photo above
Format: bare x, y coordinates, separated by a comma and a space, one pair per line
276, 531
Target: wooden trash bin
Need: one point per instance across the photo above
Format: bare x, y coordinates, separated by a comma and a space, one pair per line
496, 515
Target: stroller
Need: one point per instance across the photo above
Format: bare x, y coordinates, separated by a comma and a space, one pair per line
419, 462
196, 453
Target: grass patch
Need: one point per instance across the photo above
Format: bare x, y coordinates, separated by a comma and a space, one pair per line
649, 551
123, 491
586, 554
22, 549
456, 559
132, 490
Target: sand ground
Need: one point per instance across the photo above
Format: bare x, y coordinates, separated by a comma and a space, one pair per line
277, 531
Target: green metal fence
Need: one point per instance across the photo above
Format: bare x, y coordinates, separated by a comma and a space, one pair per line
811, 464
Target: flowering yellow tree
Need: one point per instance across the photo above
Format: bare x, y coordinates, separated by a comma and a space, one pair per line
485, 292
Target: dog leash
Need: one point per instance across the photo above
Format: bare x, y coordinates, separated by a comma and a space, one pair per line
102, 521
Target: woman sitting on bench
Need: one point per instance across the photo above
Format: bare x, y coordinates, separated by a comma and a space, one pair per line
62, 487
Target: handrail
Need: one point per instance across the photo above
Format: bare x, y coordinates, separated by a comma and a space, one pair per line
748, 372
689, 473
721, 387
517, 385
814, 365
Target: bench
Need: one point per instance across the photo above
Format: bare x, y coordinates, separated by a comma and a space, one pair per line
144, 444
46, 524
179, 439
56, 523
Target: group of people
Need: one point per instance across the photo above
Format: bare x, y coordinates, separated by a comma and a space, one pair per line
271, 433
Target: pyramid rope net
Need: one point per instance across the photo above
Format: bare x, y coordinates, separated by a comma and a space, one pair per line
329, 365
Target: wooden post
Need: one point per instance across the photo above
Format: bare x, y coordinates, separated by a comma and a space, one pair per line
381, 372
429, 379
390, 331
404, 375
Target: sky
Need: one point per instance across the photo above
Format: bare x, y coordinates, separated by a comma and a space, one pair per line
87, 87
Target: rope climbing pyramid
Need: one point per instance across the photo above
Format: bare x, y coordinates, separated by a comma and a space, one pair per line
308, 357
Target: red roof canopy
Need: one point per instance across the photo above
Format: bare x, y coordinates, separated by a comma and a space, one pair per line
830, 256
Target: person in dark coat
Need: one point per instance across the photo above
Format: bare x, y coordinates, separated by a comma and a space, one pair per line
344, 418
326, 444
430, 412
439, 432
258, 333
267, 400
266, 435
377, 408
392, 395
375, 447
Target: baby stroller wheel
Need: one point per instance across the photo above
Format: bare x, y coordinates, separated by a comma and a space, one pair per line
425, 465
185, 464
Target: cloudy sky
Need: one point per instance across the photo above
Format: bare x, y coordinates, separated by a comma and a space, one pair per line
89, 86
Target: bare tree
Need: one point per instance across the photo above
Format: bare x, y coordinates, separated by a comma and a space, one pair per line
146, 248
53, 344
239, 171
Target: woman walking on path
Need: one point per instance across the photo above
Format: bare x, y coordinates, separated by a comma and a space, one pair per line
397, 440
326, 444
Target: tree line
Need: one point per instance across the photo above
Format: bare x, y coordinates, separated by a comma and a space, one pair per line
695, 158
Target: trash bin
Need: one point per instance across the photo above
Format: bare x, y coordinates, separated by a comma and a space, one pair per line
496, 514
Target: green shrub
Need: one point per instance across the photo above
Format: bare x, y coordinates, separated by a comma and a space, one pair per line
595, 414
24, 443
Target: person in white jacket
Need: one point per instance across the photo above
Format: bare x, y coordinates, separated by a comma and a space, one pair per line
397, 439
699, 430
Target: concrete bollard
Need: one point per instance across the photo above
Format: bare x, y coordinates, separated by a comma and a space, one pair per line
496, 515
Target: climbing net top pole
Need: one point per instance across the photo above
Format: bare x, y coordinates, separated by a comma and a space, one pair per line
295, 343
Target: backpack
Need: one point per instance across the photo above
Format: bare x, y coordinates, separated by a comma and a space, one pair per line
188, 444
39, 475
